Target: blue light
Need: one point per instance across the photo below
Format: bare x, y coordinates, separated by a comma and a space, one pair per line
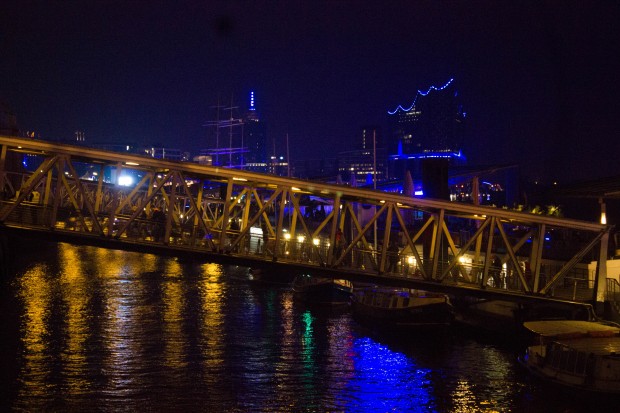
420, 93
387, 380
252, 101
425, 155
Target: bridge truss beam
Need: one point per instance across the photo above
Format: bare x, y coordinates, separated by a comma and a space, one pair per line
228, 211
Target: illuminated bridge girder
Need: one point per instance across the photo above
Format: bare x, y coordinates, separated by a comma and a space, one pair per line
220, 211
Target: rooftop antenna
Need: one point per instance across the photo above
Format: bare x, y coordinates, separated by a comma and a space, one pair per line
216, 123
230, 129
374, 179
229, 123
288, 159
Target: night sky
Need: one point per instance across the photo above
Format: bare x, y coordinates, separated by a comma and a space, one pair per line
538, 80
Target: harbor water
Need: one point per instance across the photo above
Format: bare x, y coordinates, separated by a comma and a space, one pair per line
87, 329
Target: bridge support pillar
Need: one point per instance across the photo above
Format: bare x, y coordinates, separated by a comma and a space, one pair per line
600, 280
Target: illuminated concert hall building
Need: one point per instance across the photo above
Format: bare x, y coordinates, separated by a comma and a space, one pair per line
427, 136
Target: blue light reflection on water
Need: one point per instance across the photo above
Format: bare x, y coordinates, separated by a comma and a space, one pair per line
87, 329
387, 380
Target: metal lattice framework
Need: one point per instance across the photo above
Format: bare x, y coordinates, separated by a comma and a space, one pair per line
220, 210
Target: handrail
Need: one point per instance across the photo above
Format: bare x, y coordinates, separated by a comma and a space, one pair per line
613, 289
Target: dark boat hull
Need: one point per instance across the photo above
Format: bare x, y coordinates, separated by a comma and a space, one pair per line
423, 312
323, 292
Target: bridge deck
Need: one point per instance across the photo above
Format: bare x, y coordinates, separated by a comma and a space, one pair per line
258, 219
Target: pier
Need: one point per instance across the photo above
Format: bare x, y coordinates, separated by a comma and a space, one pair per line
125, 201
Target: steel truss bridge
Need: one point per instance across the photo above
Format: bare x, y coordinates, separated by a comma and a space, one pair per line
227, 215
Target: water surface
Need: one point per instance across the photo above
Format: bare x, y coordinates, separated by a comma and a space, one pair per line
90, 329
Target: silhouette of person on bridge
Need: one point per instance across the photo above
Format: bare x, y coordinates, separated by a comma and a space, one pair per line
265, 229
392, 256
158, 218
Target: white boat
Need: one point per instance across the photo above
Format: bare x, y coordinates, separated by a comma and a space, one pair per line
579, 354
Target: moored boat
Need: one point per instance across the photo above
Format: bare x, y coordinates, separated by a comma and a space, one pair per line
322, 290
401, 308
269, 276
579, 354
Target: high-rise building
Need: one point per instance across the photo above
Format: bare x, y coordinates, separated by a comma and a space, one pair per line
367, 163
432, 127
320, 169
255, 139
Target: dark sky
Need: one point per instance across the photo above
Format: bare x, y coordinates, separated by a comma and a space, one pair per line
539, 80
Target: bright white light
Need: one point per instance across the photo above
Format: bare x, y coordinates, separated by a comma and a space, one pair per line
125, 180
301, 238
287, 236
316, 241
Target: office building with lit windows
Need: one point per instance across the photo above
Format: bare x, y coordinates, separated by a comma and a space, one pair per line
255, 158
367, 163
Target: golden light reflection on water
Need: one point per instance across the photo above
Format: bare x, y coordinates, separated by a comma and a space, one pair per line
112, 324
287, 319
126, 312
492, 368
75, 296
288, 333
36, 293
114, 263
463, 398
212, 297
287, 357
173, 304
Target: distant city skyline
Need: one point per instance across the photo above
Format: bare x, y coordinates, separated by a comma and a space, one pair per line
538, 78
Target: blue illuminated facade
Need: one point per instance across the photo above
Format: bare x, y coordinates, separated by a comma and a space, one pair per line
255, 140
431, 128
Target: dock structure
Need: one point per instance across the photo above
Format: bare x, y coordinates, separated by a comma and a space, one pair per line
135, 202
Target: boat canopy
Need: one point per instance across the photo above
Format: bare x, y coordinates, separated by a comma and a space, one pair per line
564, 329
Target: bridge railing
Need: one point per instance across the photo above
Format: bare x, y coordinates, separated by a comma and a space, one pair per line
613, 290
225, 211
295, 250
298, 250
